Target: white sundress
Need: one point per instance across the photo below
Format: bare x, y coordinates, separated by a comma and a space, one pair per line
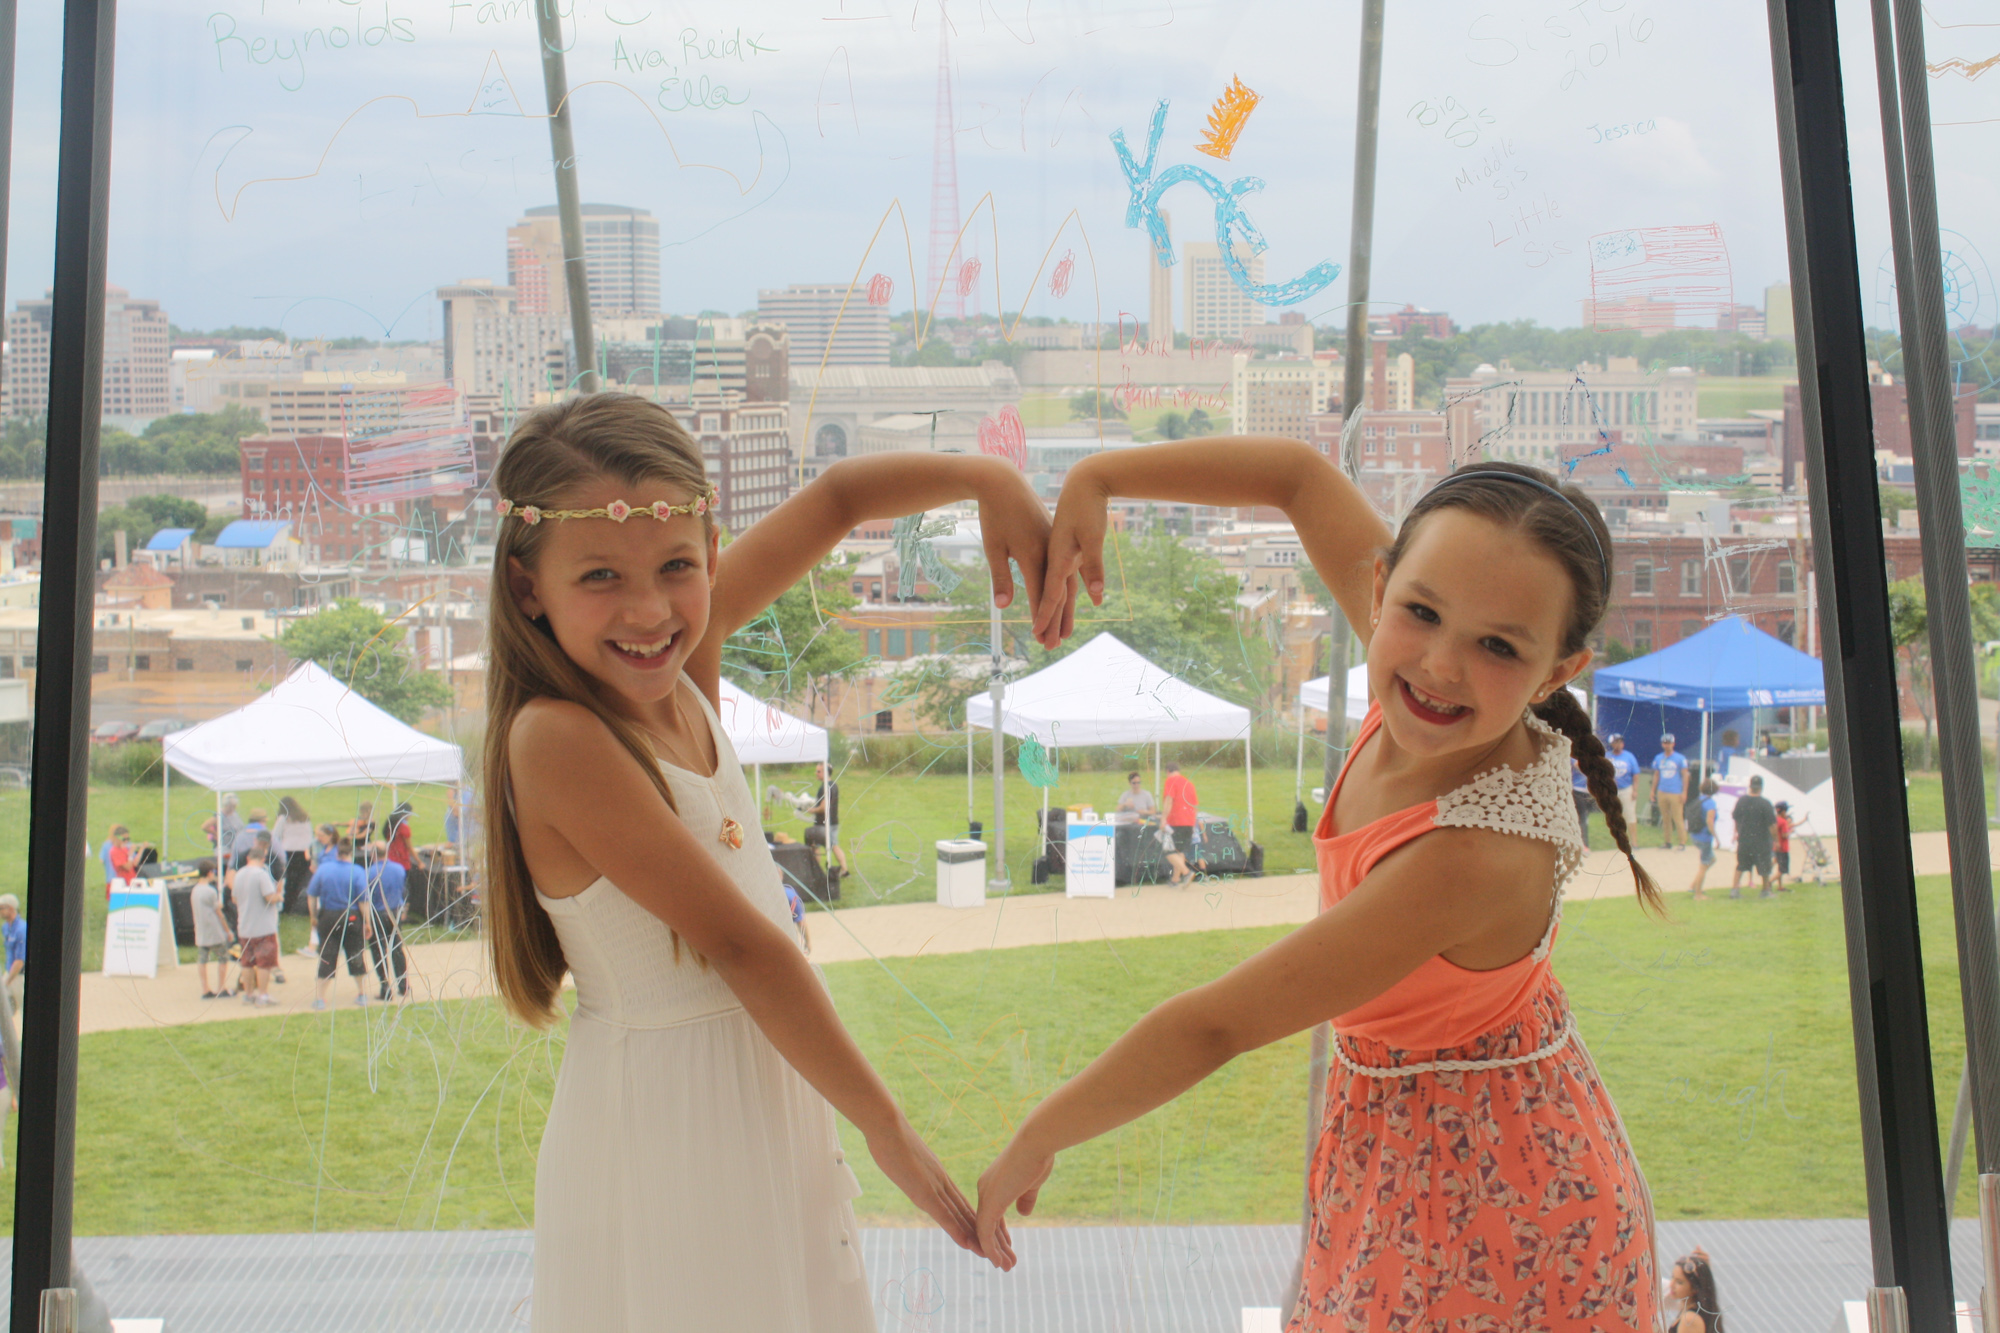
689, 1178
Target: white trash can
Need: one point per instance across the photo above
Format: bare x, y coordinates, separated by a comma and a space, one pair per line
961, 873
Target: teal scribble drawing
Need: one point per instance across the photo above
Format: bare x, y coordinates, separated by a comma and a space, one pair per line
1232, 227
1037, 765
913, 538
1979, 497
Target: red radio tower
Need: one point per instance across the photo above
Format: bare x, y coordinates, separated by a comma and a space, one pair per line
942, 285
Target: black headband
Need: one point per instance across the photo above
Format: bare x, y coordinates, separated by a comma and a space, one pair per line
1603, 563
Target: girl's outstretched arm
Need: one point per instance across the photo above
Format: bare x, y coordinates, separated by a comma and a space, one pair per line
781, 548
1431, 895
578, 792
1340, 532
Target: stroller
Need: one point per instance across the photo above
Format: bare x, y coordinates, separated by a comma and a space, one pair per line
1813, 846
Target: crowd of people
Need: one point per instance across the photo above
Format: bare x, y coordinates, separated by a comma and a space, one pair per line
1683, 806
352, 885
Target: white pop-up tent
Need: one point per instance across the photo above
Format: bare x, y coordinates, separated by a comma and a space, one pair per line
1105, 693
309, 730
764, 734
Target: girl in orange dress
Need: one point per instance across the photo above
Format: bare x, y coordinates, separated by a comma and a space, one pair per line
1472, 1173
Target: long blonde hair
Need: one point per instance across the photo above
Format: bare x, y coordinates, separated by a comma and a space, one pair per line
551, 454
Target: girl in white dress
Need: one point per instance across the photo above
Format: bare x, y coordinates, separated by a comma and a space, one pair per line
690, 1174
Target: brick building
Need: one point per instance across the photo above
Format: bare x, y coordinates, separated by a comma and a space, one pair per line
1888, 401
302, 479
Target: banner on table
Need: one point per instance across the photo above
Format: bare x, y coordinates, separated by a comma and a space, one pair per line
1090, 868
132, 928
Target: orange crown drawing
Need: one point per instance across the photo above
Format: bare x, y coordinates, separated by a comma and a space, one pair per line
1226, 119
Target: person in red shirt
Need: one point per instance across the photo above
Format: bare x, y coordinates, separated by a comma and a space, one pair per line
1182, 804
1781, 845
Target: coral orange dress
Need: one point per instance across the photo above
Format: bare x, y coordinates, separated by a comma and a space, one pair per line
1472, 1174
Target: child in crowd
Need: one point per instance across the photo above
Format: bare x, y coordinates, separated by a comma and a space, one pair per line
1701, 820
690, 1171
1471, 1170
212, 935
1781, 846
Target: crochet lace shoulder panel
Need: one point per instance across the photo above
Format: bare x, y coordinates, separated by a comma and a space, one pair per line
1533, 802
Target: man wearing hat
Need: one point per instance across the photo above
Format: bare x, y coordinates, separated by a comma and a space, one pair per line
1670, 770
1626, 765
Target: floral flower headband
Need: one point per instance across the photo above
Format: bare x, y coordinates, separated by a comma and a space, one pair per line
617, 511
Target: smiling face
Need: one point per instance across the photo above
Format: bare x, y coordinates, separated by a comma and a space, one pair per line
627, 601
1469, 632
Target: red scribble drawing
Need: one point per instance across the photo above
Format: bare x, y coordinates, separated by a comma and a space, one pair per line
1649, 273
407, 442
1965, 69
1226, 120
880, 288
1003, 436
968, 276
1065, 269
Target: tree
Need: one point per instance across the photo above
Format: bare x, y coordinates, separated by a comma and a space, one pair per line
1893, 502
1092, 404
361, 649
1171, 426
1909, 629
797, 649
142, 516
1175, 606
1198, 423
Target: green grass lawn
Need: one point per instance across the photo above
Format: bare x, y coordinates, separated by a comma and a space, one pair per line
1737, 396
1723, 1035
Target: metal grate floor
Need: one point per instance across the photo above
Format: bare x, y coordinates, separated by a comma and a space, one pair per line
1775, 1277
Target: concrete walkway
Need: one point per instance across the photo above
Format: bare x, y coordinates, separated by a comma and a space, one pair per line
457, 969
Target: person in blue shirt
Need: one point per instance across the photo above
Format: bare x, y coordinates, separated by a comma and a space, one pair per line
1704, 835
1670, 771
1579, 791
1626, 765
1731, 745
14, 932
386, 884
338, 897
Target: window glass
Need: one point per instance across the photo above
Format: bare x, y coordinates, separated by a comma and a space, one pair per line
816, 233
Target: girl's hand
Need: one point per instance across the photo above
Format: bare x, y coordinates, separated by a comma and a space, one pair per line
1016, 1177
1013, 525
1076, 546
914, 1169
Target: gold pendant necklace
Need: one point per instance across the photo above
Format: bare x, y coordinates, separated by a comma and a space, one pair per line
730, 834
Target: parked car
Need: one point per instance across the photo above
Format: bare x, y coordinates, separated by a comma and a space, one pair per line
112, 733
161, 726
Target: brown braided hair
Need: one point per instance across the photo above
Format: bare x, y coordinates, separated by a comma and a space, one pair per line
1568, 525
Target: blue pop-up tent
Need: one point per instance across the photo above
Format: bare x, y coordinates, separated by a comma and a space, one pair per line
1704, 685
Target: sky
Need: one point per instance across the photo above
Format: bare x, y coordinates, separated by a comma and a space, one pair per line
324, 165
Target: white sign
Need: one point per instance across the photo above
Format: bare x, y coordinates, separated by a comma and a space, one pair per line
1091, 866
132, 928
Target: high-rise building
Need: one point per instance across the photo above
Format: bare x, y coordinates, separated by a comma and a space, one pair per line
678, 358
491, 347
810, 311
621, 257
1281, 395
1212, 306
747, 448
136, 357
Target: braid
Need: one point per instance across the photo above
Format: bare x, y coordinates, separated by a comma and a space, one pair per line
1561, 711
